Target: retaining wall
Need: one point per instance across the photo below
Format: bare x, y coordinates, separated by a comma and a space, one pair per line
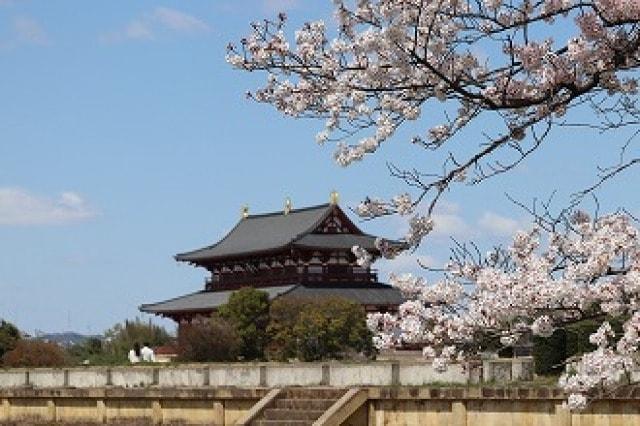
389, 406
125, 406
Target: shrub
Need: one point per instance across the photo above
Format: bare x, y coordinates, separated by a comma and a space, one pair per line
549, 353
578, 334
212, 339
248, 311
313, 330
119, 340
35, 353
86, 349
9, 337
93, 351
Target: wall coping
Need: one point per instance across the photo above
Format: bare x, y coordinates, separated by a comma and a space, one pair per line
246, 365
147, 392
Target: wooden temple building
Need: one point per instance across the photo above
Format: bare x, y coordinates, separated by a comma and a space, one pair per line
302, 253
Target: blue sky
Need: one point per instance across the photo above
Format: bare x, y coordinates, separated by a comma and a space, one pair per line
125, 138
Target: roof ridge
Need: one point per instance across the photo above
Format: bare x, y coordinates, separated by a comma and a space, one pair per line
280, 212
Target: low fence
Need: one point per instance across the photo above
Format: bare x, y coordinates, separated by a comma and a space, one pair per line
271, 375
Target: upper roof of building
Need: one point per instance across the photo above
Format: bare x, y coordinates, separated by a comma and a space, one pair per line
302, 228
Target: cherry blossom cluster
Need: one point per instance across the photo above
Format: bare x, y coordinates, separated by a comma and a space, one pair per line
402, 204
589, 270
363, 258
371, 208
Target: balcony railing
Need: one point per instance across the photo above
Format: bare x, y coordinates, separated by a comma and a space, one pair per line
293, 275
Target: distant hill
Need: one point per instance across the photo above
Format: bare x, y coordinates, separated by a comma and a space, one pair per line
66, 339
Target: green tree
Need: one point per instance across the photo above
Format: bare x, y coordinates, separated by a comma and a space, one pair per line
213, 339
119, 339
9, 337
92, 350
248, 311
312, 330
283, 316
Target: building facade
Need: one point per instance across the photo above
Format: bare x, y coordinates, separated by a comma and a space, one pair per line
302, 253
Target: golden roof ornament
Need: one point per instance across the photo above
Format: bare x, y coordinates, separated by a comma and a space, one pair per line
334, 197
244, 211
287, 206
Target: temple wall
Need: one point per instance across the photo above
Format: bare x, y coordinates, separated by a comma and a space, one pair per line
249, 375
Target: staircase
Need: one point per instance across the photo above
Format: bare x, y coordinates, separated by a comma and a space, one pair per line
298, 406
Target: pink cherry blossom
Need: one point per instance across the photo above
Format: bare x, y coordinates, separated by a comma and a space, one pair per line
580, 273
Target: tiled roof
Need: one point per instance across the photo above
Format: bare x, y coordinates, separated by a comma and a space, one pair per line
203, 300
206, 301
272, 231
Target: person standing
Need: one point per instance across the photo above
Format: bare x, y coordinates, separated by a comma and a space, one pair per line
135, 353
147, 353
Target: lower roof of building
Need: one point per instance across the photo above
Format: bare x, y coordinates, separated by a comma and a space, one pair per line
207, 301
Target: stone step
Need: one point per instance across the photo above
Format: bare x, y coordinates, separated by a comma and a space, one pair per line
313, 393
286, 414
305, 404
282, 423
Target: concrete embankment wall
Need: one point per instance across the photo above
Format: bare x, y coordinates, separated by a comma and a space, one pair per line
250, 375
385, 406
497, 407
126, 406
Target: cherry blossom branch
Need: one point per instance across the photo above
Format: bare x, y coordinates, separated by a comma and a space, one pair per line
389, 60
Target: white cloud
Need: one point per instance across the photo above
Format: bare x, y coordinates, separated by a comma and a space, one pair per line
161, 19
23, 30
447, 222
179, 21
19, 207
138, 30
134, 30
276, 6
450, 225
28, 30
500, 225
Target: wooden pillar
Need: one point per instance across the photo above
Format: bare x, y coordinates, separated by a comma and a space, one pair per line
459, 413
101, 409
